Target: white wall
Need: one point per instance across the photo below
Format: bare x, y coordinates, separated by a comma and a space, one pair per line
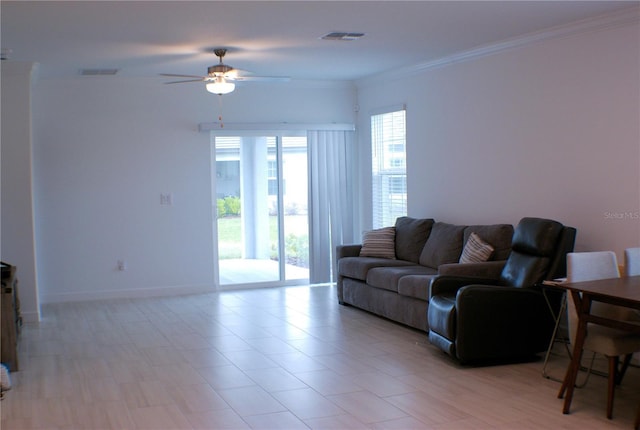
106, 148
549, 130
18, 233
546, 130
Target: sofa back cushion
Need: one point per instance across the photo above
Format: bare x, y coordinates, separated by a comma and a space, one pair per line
411, 235
443, 246
497, 235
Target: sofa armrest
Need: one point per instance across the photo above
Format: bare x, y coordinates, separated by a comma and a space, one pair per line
449, 285
348, 251
487, 269
343, 251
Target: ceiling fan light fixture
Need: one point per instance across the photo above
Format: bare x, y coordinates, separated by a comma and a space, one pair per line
220, 86
220, 77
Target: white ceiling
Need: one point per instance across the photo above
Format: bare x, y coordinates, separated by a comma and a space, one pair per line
269, 38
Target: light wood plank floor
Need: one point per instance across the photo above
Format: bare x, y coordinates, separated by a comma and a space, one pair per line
281, 358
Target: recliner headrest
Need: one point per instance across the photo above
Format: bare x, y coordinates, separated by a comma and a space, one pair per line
536, 236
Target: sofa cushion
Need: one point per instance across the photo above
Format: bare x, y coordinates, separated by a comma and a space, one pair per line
379, 243
497, 235
416, 286
387, 277
476, 250
357, 267
411, 235
443, 246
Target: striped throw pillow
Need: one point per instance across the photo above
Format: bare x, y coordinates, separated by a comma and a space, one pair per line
476, 250
379, 243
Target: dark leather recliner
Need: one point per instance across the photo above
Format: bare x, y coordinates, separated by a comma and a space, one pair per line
484, 320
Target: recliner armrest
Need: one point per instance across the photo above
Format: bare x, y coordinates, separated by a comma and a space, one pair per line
497, 321
483, 295
451, 284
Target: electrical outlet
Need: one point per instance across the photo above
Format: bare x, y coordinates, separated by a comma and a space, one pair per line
122, 265
166, 199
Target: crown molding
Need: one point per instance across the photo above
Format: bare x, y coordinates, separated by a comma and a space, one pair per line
621, 18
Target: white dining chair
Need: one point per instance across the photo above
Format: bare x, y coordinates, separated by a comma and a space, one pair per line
632, 261
588, 266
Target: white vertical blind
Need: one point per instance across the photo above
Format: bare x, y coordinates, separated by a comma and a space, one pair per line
331, 206
388, 170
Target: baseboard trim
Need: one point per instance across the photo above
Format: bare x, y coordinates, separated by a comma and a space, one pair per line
30, 317
175, 290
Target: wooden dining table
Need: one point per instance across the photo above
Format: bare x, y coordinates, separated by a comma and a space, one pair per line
623, 291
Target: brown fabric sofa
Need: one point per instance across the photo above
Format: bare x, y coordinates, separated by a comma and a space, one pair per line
398, 289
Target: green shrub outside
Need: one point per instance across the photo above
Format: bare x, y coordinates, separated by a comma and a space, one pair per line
221, 211
232, 205
297, 250
229, 206
296, 245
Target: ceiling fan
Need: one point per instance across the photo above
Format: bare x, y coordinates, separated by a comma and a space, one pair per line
221, 78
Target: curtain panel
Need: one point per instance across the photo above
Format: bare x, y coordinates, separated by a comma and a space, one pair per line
331, 202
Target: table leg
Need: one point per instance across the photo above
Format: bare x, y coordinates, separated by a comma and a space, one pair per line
583, 305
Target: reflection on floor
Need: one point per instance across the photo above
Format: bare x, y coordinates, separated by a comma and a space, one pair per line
248, 271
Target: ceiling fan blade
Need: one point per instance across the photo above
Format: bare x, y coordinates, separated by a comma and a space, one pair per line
222, 72
188, 80
260, 78
180, 76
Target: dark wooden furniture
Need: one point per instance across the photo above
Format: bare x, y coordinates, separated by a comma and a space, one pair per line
618, 291
11, 320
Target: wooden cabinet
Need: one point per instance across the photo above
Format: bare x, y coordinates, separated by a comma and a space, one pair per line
11, 321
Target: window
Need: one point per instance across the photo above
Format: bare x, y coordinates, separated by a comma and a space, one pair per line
314, 214
262, 227
272, 176
388, 170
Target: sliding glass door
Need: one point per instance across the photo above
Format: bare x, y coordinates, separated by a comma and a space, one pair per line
261, 202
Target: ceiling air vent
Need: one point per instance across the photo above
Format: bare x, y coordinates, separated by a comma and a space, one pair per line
341, 35
98, 72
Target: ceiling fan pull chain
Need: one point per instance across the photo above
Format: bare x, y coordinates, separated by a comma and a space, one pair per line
220, 116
